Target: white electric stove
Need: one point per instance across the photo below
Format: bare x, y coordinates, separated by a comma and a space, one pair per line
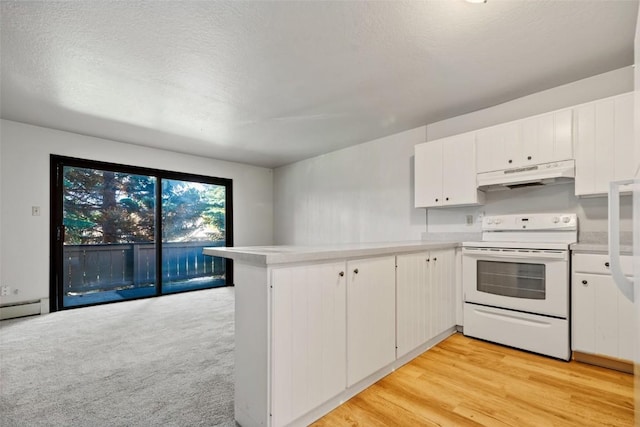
516, 282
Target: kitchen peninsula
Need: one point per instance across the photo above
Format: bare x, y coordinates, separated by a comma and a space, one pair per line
316, 325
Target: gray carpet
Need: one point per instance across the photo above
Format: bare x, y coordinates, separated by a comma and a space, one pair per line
161, 361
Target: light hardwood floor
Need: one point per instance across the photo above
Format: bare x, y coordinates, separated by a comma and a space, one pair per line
468, 382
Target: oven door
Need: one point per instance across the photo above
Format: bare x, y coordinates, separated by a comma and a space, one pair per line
533, 281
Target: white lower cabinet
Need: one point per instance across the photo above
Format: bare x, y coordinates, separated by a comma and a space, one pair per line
332, 329
308, 338
602, 320
371, 316
309, 335
426, 297
332, 325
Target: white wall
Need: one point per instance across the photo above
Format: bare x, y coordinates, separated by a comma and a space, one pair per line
592, 212
24, 182
1, 204
365, 193
601, 86
359, 194
636, 117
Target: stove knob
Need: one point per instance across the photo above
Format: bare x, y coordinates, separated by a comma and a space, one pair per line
498, 220
489, 221
566, 219
556, 220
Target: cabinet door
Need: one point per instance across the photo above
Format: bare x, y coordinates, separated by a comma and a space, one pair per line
547, 138
624, 138
371, 316
604, 144
413, 302
602, 318
535, 132
585, 181
426, 297
442, 304
497, 147
459, 185
606, 315
583, 319
563, 135
428, 174
308, 341
595, 147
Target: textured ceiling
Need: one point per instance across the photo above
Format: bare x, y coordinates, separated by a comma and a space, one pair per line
269, 83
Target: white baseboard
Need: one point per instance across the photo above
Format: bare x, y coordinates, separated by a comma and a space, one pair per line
44, 306
25, 309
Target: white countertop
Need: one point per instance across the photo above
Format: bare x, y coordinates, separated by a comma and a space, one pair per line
268, 255
599, 248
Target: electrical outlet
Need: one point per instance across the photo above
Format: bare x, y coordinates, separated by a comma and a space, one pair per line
4, 291
35, 210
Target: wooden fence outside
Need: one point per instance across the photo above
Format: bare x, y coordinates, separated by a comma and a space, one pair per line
127, 265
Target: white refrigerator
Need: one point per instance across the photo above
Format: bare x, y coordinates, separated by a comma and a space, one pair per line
629, 286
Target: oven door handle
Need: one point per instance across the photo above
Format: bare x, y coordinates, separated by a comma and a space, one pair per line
524, 256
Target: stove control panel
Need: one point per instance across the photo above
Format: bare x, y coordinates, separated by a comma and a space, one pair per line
525, 222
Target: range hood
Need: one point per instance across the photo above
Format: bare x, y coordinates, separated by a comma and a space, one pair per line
528, 176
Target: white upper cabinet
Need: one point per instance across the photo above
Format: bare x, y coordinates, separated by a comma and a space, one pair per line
604, 144
445, 173
496, 147
534, 140
547, 138
429, 173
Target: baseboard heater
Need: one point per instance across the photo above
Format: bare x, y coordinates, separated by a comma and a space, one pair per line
27, 308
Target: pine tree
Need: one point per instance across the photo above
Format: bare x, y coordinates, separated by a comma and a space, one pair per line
113, 207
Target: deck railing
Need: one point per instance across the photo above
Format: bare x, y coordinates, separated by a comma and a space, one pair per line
127, 265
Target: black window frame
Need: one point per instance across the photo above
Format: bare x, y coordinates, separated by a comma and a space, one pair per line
58, 162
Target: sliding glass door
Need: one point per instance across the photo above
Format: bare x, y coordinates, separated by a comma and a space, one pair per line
193, 217
121, 232
108, 235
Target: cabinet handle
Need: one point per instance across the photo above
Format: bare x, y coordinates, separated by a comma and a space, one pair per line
606, 264
341, 274
510, 161
447, 198
428, 260
435, 259
528, 157
584, 282
355, 271
436, 200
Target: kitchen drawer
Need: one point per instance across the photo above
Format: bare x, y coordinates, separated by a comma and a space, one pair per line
599, 264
